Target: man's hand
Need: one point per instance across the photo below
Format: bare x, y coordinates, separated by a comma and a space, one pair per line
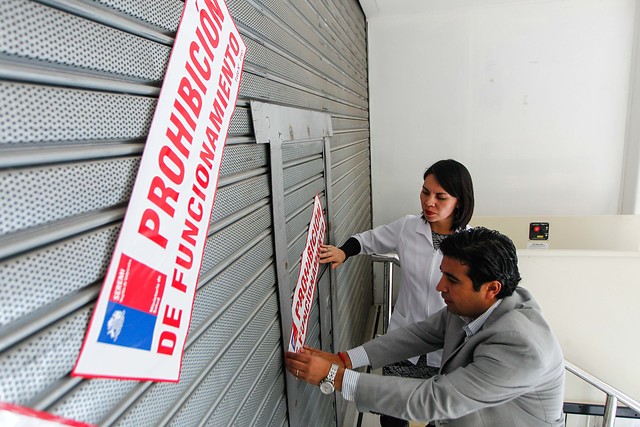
329, 357
312, 365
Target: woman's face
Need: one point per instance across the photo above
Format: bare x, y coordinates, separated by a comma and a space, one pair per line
438, 206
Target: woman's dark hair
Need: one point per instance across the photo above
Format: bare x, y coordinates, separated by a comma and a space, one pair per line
489, 256
456, 180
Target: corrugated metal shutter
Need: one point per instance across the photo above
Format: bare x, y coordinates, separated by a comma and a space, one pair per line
78, 87
350, 212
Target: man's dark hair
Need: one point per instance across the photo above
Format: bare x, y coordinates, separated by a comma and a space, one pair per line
455, 178
489, 255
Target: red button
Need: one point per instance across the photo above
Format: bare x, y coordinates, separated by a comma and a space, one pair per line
536, 228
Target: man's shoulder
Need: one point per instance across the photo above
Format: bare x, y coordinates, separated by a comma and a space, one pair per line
517, 312
521, 314
521, 298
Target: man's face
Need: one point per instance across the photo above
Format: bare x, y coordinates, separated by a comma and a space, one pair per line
456, 289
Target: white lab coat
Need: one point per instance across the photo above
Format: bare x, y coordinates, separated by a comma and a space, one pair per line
410, 238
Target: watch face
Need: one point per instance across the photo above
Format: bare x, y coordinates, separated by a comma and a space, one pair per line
326, 387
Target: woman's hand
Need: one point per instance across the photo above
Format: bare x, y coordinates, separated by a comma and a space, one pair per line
333, 255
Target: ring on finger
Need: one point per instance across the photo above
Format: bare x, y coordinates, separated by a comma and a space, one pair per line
297, 371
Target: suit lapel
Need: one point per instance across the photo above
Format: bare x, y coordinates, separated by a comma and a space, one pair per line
453, 339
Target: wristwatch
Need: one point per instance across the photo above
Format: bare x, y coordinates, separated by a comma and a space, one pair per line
326, 385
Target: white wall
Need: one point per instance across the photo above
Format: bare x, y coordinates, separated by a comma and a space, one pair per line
597, 232
630, 192
532, 96
591, 304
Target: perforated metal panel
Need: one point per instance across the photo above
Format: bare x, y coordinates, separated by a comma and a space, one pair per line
162, 13
86, 187
61, 41
79, 82
53, 115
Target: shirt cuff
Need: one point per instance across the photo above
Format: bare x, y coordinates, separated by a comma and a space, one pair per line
349, 384
358, 357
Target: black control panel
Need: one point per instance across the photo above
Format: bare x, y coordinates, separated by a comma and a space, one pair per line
539, 231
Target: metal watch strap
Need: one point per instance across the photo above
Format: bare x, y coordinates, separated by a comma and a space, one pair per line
331, 376
326, 385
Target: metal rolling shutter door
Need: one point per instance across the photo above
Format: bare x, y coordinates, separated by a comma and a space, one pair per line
78, 82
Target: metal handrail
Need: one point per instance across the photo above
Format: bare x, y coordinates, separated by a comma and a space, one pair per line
388, 260
613, 395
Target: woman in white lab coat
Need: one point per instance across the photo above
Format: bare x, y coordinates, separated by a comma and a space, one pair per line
447, 203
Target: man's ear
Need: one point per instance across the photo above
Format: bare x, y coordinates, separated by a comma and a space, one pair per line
493, 288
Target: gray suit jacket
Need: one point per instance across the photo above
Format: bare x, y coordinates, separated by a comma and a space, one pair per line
510, 373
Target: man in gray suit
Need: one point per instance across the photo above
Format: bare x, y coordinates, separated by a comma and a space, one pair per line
502, 366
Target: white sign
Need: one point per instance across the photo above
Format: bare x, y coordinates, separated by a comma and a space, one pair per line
537, 245
140, 322
306, 285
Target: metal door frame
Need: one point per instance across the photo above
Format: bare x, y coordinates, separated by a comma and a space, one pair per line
277, 125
